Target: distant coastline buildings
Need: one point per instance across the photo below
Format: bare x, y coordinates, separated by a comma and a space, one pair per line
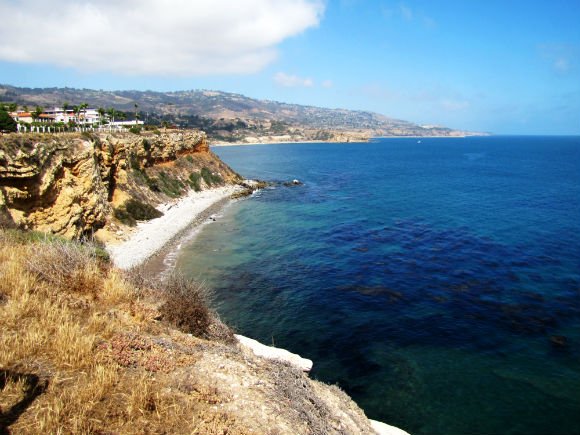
65, 119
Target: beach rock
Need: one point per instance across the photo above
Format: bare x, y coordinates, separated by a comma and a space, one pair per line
385, 429
275, 353
294, 182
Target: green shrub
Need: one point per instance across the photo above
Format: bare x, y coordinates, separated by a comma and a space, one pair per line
135, 129
133, 161
124, 217
6, 121
189, 159
134, 210
141, 211
209, 178
146, 145
169, 185
195, 181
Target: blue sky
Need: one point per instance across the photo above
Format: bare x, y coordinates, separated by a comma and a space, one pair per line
507, 67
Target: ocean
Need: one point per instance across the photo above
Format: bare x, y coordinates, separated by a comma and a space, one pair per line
436, 281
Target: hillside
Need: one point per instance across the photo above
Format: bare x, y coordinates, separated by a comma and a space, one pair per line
231, 117
75, 184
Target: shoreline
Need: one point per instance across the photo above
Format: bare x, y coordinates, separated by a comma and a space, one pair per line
158, 262
152, 241
370, 139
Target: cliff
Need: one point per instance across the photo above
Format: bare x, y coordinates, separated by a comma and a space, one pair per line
71, 184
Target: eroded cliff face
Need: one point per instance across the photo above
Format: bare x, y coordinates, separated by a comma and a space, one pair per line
68, 184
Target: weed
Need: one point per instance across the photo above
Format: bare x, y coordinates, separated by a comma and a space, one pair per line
209, 177
185, 307
66, 264
169, 185
194, 181
134, 210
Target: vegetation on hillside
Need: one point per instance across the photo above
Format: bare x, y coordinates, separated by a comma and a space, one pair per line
7, 124
72, 327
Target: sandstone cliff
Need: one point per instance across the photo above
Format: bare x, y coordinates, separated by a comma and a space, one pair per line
70, 184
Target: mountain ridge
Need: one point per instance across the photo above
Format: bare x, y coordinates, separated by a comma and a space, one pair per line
232, 117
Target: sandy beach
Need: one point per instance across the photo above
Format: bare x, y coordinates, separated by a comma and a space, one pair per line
150, 237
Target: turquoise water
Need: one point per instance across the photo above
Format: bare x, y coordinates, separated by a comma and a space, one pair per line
438, 283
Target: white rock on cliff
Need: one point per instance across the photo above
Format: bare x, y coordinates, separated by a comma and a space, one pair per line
385, 429
275, 353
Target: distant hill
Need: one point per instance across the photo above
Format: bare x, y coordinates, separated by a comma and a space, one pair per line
231, 117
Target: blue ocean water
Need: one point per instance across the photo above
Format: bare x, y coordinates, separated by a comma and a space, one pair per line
437, 283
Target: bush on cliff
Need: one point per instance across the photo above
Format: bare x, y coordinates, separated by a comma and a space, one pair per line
134, 210
194, 181
209, 177
7, 124
169, 185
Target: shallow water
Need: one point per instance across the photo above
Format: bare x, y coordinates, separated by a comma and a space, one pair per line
430, 281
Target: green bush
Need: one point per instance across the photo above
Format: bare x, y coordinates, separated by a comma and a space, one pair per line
134, 210
194, 181
209, 178
124, 217
169, 185
6, 121
141, 211
135, 129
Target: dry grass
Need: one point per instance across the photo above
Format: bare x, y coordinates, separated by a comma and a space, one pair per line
75, 353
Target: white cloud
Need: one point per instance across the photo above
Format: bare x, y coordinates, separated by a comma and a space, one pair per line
406, 12
153, 37
327, 84
292, 81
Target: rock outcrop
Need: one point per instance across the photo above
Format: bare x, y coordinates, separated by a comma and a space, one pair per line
275, 353
68, 184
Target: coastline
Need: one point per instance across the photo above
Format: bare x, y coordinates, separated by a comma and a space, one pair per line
277, 142
151, 241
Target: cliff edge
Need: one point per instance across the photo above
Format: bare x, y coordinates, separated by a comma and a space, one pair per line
75, 184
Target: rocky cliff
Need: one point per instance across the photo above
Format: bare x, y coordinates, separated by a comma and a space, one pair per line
70, 184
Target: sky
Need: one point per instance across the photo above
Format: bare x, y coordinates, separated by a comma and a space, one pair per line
505, 67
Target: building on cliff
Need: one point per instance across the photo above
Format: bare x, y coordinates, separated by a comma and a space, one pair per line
85, 118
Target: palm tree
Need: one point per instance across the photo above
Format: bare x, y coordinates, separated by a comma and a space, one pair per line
37, 112
83, 108
13, 107
101, 113
65, 107
77, 112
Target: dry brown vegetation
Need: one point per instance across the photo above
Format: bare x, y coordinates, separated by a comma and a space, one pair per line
85, 348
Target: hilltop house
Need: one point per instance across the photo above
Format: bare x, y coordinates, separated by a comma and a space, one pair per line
87, 118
